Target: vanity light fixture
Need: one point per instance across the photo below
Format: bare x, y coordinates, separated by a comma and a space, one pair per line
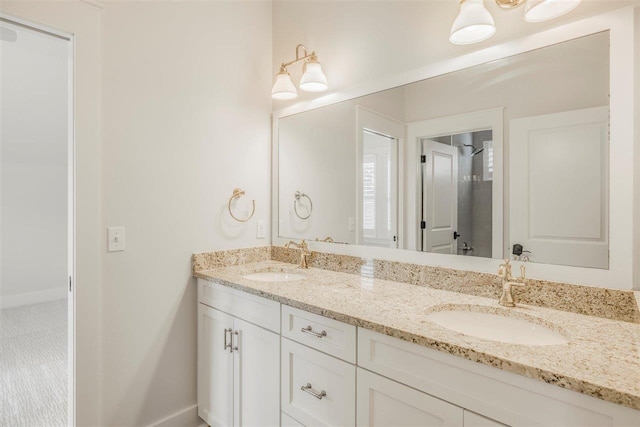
313, 79
475, 24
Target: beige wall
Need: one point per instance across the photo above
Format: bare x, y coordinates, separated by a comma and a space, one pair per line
186, 119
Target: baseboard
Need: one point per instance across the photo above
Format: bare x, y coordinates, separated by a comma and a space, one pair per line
17, 300
187, 417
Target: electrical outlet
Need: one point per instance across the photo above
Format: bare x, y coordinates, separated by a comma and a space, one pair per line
115, 238
260, 230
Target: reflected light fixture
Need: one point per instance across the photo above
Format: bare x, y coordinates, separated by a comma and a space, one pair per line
475, 24
313, 79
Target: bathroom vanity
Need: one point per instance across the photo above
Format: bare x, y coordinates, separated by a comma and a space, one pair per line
330, 348
411, 191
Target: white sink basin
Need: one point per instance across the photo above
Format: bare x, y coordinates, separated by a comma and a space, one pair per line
274, 276
495, 327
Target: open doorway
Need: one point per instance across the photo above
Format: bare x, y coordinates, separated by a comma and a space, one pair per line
457, 194
37, 250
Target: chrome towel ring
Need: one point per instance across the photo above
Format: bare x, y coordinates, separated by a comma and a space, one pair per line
237, 193
297, 197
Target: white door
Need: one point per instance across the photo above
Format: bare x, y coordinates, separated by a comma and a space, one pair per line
257, 376
440, 197
379, 143
382, 403
379, 190
559, 177
215, 367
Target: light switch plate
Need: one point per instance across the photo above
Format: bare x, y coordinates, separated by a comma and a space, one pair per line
352, 224
260, 230
115, 238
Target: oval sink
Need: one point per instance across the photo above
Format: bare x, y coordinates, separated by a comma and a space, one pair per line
274, 276
495, 327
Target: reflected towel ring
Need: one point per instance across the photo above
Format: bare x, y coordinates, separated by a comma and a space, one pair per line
297, 197
237, 193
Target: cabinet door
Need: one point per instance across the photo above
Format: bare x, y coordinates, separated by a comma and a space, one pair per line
287, 421
215, 367
471, 419
257, 376
382, 403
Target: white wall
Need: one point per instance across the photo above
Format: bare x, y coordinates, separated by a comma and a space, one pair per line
186, 119
637, 155
33, 167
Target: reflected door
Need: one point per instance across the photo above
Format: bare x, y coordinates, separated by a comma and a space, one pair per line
559, 187
379, 195
440, 197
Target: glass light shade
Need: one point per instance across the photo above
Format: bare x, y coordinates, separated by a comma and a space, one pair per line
313, 79
473, 24
544, 10
283, 88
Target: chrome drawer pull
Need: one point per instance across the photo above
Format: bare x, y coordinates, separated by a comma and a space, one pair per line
307, 389
310, 331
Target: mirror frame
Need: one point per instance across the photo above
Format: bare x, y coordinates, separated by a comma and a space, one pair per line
622, 88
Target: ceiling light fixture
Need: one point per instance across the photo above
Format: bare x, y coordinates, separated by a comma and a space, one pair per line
475, 24
313, 79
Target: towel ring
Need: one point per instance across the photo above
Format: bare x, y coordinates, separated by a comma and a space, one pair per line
297, 197
237, 193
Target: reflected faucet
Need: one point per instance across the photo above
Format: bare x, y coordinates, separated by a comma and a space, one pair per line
508, 281
304, 252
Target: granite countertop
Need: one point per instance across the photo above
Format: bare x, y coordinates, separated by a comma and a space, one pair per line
602, 358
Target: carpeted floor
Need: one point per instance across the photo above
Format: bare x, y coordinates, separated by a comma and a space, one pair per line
33, 365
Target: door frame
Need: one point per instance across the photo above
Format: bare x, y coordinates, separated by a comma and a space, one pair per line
71, 201
461, 123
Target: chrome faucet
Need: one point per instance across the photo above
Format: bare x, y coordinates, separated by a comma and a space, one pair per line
508, 281
304, 252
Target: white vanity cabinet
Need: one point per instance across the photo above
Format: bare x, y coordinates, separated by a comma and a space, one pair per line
383, 403
484, 396
264, 364
238, 375
318, 369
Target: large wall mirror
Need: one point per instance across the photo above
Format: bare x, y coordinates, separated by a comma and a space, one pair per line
504, 159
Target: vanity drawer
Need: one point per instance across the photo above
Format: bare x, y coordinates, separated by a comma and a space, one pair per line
304, 367
327, 335
254, 309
